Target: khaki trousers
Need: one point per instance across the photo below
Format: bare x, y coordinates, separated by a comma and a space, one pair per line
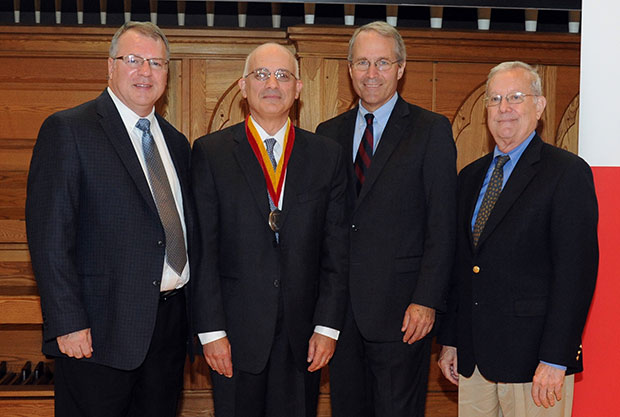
479, 397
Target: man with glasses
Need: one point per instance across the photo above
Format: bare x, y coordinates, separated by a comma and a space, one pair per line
526, 264
109, 219
271, 292
402, 206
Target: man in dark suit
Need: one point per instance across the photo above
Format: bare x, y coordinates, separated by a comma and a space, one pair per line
402, 165
109, 218
527, 258
271, 293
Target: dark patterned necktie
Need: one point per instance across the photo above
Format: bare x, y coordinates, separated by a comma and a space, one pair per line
176, 254
364, 153
490, 197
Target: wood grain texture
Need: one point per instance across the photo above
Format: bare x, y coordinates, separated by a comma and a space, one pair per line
568, 131
469, 129
16, 407
12, 231
20, 344
19, 309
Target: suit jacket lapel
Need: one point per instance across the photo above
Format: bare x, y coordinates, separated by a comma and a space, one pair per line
114, 129
518, 181
345, 134
251, 170
476, 180
392, 134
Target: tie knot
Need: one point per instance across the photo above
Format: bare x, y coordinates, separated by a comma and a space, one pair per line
501, 160
369, 118
144, 125
270, 143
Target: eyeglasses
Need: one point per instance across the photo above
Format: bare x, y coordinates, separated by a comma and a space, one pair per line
263, 74
511, 98
135, 62
382, 64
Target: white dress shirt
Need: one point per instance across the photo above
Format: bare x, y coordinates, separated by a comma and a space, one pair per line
170, 279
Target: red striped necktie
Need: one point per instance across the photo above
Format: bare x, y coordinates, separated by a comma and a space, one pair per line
364, 153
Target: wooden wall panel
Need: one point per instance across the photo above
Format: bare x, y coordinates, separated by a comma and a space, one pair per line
455, 82
418, 83
214, 87
43, 70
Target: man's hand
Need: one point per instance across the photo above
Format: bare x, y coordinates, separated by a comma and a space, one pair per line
77, 344
418, 321
547, 385
448, 364
320, 350
218, 356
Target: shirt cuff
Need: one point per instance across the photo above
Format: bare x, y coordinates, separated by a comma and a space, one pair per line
327, 331
209, 337
561, 367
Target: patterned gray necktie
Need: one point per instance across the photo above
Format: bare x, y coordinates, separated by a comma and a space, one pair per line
490, 197
176, 254
270, 143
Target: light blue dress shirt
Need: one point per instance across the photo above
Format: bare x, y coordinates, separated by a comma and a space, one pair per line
382, 115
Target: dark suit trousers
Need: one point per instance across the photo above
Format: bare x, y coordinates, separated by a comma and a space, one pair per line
280, 390
378, 379
87, 389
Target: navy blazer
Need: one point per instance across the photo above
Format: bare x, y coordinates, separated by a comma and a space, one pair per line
96, 240
244, 274
522, 295
403, 222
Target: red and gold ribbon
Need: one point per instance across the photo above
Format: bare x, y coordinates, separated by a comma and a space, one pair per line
274, 180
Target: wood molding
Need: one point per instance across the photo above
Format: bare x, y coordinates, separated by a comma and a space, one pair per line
448, 45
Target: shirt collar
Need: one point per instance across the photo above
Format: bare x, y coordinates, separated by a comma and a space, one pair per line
516, 153
382, 114
129, 117
279, 135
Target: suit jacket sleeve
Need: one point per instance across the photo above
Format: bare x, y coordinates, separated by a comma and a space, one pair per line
207, 301
52, 207
439, 180
574, 254
331, 304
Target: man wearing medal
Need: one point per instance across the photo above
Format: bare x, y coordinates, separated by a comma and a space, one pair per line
271, 287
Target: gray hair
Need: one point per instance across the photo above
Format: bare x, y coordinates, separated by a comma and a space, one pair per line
147, 29
536, 84
246, 67
383, 29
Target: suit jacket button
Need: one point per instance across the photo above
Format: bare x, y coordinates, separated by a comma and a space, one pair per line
160, 243
276, 283
156, 283
476, 269
354, 228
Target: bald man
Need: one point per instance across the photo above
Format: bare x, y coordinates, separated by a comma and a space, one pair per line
271, 286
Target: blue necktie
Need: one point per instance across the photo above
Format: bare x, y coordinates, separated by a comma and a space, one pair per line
176, 254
